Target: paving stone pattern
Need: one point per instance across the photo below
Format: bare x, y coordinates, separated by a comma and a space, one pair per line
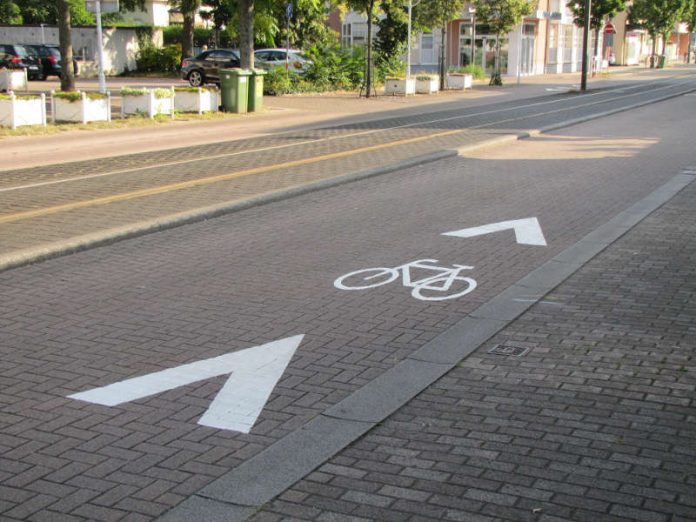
187, 294
596, 423
271, 159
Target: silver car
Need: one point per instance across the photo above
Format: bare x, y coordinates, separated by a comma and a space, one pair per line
268, 58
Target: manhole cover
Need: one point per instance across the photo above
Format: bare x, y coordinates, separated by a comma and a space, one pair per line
509, 349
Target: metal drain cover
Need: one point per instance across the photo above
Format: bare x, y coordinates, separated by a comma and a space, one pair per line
509, 349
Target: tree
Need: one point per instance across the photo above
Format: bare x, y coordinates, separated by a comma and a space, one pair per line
188, 9
501, 16
67, 76
368, 8
10, 13
658, 17
439, 13
246, 33
46, 12
601, 10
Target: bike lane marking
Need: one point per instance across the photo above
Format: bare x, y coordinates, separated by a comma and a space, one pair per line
254, 373
258, 480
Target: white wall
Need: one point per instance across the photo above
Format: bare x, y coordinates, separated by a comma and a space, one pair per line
156, 13
120, 44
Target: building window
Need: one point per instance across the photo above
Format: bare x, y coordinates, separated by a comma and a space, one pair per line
346, 35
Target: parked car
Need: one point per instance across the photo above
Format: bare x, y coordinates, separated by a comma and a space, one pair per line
204, 68
50, 59
20, 57
296, 60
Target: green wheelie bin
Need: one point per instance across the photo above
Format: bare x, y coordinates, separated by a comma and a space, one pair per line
234, 90
256, 90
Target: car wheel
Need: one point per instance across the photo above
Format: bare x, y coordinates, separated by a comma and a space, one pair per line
196, 78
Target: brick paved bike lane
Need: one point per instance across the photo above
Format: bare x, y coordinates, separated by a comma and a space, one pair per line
596, 421
184, 295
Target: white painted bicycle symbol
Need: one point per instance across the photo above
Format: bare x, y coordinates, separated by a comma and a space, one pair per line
446, 283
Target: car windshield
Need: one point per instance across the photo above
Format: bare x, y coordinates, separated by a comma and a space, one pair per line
302, 56
23, 51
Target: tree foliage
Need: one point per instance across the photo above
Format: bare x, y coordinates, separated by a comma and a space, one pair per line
601, 10
658, 17
10, 13
42, 12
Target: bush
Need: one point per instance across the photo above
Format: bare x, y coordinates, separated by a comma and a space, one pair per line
474, 70
156, 59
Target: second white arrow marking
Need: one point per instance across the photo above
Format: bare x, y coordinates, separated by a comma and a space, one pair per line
254, 373
527, 231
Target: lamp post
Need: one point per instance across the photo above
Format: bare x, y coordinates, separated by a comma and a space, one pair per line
585, 44
472, 12
411, 5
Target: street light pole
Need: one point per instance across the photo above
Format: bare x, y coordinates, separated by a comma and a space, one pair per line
408, 44
585, 44
472, 11
100, 47
411, 5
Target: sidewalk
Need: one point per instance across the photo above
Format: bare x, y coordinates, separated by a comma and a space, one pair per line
281, 114
586, 413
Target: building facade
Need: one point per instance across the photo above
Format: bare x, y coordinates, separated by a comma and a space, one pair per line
546, 42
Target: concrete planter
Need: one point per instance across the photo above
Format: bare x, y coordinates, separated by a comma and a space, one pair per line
400, 86
17, 111
199, 101
459, 81
147, 102
13, 80
427, 86
84, 110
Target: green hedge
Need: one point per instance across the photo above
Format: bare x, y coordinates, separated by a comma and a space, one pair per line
156, 59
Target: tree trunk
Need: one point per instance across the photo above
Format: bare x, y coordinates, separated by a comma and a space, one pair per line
67, 75
187, 34
443, 65
368, 73
654, 47
246, 33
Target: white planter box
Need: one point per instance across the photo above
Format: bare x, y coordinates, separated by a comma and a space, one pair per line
147, 104
83, 110
400, 86
16, 111
13, 80
459, 81
428, 86
200, 101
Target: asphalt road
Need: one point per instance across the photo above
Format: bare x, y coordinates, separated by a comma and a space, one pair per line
267, 273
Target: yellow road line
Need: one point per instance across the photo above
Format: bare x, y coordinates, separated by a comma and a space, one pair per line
209, 180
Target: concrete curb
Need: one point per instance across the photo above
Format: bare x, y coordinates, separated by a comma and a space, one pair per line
110, 236
241, 492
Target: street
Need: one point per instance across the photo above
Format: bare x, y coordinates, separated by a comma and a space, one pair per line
178, 308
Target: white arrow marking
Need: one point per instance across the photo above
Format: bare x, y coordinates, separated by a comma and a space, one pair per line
527, 231
255, 372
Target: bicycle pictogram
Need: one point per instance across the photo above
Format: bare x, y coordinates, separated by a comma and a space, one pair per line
445, 283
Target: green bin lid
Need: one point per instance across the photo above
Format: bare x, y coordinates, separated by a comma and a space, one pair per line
236, 72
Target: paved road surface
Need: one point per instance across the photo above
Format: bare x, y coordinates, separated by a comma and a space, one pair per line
189, 294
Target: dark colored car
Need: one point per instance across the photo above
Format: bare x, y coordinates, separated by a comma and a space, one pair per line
204, 68
50, 59
21, 57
